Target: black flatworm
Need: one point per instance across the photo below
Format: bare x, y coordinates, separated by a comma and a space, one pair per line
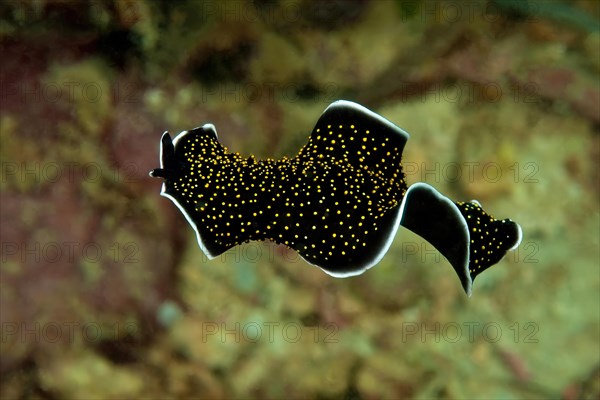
338, 202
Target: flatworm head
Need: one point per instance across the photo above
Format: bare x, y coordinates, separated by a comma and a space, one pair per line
338, 202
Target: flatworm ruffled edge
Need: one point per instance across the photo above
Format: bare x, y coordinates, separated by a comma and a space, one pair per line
465, 261
358, 270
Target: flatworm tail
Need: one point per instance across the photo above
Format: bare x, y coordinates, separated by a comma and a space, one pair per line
464, 233
489, 239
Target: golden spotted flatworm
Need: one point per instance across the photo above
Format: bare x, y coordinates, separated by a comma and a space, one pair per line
338, 202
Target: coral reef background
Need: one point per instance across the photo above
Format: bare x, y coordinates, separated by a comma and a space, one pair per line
105, 294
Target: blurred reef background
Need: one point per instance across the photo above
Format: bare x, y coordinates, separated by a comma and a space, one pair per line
105, 294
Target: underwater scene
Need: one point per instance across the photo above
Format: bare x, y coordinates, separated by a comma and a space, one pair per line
345, 199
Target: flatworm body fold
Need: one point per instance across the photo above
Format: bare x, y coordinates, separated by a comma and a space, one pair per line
338, 202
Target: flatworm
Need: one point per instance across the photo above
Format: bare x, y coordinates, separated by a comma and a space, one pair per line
338, 202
